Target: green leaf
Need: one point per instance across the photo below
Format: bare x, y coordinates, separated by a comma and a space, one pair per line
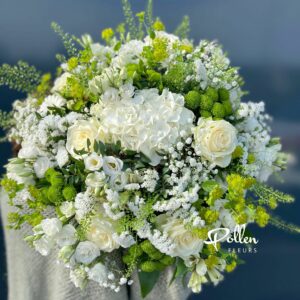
180, 270
209, 185
147, 281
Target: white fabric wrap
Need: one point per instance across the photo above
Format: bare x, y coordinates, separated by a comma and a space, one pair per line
35, 277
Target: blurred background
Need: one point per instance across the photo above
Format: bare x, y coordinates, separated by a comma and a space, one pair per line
261, 36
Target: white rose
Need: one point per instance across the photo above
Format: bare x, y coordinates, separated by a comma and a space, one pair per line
93, 162
67, 236
79, 134
98, 273
96, 180
67, 208
60, 83
112, 165
41, 165
101, 233
216, 141
86, 252
51, 227
186, 243
44, 245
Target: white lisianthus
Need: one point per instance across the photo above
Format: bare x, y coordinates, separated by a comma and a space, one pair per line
101, 233
51, 227
67, 208
86, 252
79, 134
67, 236
216, 140
112, 165
111, 95
98, 273
93, 162
61, 82
44, 245
96, 179
41, 165
20, 171
118, 181
185, 242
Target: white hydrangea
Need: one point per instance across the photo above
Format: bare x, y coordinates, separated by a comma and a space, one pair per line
147, 123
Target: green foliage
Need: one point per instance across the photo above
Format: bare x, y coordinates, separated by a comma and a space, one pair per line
267, 194
277, 222
147, 281
67, 39
129, 19
149, 13
183, 28
43, 88
21, 77
11, 187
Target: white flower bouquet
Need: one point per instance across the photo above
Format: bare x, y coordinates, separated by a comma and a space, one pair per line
140, 145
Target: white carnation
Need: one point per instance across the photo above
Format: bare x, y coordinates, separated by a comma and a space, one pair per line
86, 252
51, 227
98, 273
67, 236
41, 165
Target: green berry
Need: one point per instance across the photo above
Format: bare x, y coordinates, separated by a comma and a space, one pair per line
54, 195
218, 110
192, 100
151, 266
223, 95
135, 250
57, 179
127, 259
69, 192
212, 93
167, 260
49, 173
206, 103
153, 253
228, 107
205, 113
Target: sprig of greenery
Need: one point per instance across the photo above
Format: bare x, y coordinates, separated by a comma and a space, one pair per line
183, 28
283, 225
129, 19
149, 14
268, 194
6, 120
67, 39
21, 77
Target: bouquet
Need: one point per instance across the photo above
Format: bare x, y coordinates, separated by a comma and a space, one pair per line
140, 145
